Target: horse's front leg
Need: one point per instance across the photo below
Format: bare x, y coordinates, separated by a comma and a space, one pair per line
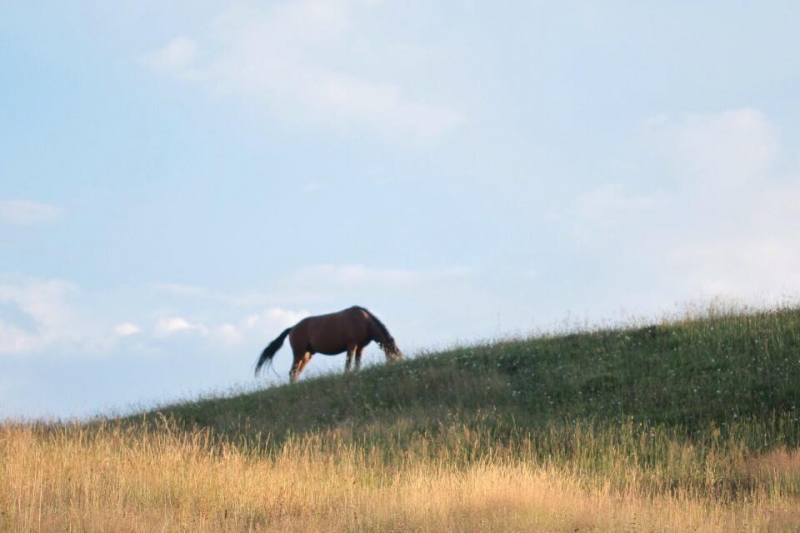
359, 351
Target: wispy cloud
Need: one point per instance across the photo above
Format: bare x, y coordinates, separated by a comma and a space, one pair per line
183, 289
176, 57
715, 152
241, 299
37, 314
357, 275
40, 314
731, 227
299, 58
26, 213
231, 333
748, 267
273, 317
176, 324
257, 326
312, 187
611, 200
126, 329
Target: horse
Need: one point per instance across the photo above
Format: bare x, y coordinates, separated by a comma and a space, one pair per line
349, 330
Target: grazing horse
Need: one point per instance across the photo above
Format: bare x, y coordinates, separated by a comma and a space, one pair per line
349, 330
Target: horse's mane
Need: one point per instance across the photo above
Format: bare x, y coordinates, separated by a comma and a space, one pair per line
377, 321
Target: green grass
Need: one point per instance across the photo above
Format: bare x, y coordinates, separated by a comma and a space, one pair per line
726, 371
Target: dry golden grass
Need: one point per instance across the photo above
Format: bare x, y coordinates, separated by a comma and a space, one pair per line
116, 478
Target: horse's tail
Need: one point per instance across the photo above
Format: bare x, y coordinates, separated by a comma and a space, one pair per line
271, 349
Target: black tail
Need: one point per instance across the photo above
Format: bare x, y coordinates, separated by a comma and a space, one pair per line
270, 350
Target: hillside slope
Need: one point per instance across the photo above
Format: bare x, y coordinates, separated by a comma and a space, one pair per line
717, 370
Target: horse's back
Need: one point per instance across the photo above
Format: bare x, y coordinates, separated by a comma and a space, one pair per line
331, 333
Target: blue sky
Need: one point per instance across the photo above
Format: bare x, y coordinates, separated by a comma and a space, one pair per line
181, 180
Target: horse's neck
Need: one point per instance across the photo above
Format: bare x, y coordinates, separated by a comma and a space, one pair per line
377, 332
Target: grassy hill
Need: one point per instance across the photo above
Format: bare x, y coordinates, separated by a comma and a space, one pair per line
685, 426
718, 371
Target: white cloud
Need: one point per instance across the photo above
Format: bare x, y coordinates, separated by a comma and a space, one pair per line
360, 283
182, 289
730, 148
126, 329
254, 326
300, 59
743, 268
251, 327
274, 317
176, 57
731, 225
227, 334
312, 187
25, 213
356, 275
612, 200
172, 325
37, 314
716, 152
271, 320
349, 99
247, 299
14, 340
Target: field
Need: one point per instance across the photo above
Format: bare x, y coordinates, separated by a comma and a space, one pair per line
688, 425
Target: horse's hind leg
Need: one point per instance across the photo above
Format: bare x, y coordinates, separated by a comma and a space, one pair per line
294, 373
300, 362
351, 351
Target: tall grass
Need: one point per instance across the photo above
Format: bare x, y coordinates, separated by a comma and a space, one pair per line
122, 477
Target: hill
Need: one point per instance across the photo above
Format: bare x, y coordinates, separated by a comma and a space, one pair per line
688, 375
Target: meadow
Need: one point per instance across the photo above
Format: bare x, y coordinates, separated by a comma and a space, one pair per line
687, 425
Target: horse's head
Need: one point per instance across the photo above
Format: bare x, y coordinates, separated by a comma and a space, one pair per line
393, 353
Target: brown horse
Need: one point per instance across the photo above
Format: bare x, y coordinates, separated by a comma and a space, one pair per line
349, 330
